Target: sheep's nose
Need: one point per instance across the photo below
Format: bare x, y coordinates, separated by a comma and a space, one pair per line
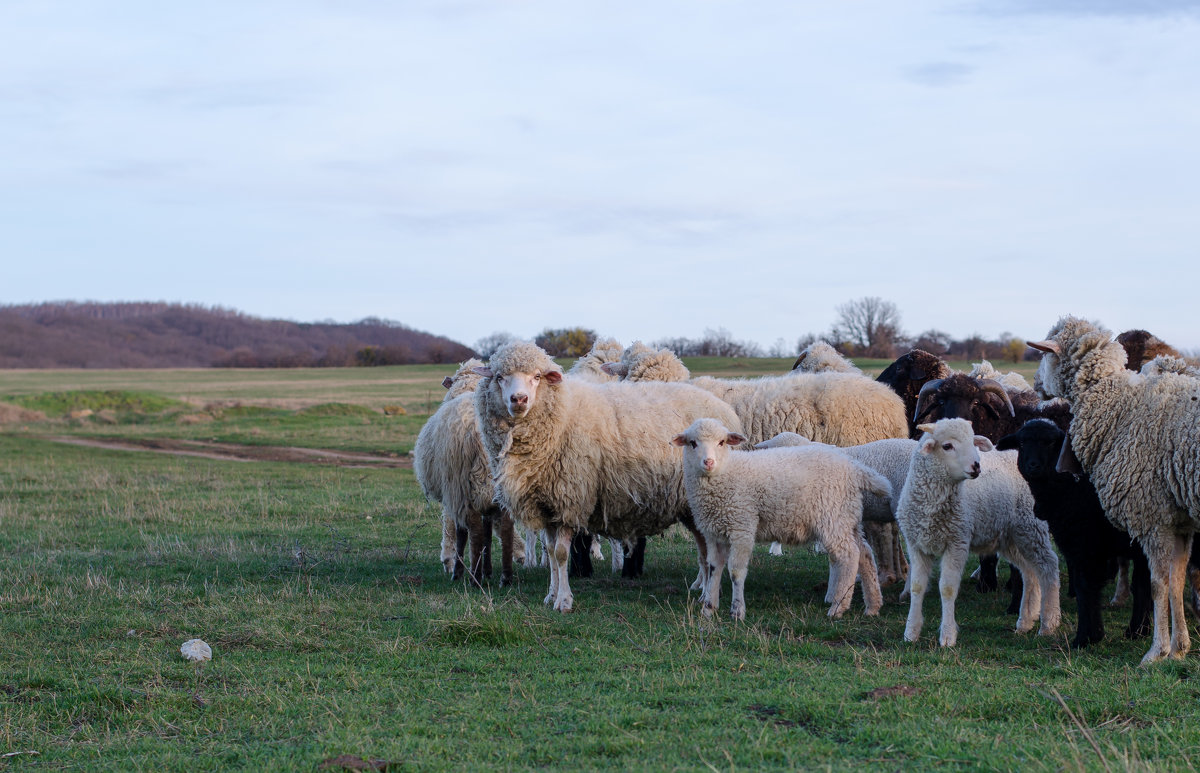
520, 398
709, 463
975, 470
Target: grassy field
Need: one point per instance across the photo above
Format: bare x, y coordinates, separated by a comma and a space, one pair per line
335, 631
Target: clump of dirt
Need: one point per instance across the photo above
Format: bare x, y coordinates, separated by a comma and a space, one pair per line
15, 414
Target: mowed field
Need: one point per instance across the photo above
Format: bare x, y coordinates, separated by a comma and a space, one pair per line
337, 637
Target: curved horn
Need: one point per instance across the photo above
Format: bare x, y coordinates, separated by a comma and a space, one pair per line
800, 359
923, 396
996, 388
1045, 346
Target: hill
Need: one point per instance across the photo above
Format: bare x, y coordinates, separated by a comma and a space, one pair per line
68, 334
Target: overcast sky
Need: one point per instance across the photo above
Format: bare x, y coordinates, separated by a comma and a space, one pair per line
646, 169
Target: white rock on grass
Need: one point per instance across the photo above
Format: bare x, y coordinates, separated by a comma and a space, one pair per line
196, 650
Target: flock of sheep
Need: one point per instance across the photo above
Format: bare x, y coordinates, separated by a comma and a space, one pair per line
1101, 454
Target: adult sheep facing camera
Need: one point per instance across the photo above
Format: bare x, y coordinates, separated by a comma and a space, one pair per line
1135, 435
568, 455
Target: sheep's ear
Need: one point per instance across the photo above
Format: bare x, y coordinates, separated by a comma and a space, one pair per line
552, 376
1067, 461
734, 439
925, 428
1008, 443
614, 369
679, 440
928, 444
983, 444
1045, 346
483, 370
448, 382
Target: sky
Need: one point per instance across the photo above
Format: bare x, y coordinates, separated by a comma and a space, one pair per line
644, 169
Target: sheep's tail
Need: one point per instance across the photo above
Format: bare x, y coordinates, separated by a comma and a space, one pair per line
874, 483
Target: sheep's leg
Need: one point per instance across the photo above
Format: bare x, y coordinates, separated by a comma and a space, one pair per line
919, 566
1180, 642
1087, 579
879, 536
1029, 608
844, 560
718, 554
479, 541
1124, 582
633, 563
1140, 616
869, 577
449, 539
618, 554
547, 540
519, 542
701, 582
1159, 548
597, 553
954, 561
507, 546
561, 552
740, 549
460, 545
486, 564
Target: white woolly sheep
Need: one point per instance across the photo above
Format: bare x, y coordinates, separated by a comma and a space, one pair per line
1135, 436
589, 367
790, 495
1012, 381
955, 501
451, 468
820, 357
568, 455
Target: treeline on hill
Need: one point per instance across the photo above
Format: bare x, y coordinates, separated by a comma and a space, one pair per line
172, 335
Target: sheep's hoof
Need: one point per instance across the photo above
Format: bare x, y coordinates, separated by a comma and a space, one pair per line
506, 580
564, 605
1048, 630
1024, 626
948, 639
1153, 656
549, 599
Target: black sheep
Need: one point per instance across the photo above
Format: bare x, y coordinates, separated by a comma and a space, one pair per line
1089, 543
907, 375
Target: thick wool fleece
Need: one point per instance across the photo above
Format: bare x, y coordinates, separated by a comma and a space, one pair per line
587, 367
820, 357
1012, 381
590, 456
1135, 435
788, 495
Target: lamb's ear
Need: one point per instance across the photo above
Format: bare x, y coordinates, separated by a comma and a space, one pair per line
1045, 346
1067, 460
983, 444
482, 370
925, 428
734, 439
928, 443
1008, 443
448, 382
679, 440
552, 376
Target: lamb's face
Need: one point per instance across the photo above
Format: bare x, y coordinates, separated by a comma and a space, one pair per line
705, 446
519, 391
1038, 445
952, 443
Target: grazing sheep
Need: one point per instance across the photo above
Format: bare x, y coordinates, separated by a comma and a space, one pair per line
790, 495
820, 357
568, 455
907, 375
1136, 438
1087, 540
451, 468
956, 500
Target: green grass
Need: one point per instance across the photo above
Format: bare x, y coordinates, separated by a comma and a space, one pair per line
335, 631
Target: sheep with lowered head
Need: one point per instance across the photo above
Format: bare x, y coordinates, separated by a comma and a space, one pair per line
567, 455
956, 501
790, 495
820, 357
1135, 436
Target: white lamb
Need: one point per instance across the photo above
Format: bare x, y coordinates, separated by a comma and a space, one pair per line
791, 495
956, 501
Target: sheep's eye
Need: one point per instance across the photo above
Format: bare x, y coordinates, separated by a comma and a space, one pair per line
692, 443
720, 442
537, 377
947, 446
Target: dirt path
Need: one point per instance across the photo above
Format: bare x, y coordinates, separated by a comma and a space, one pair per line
240, 453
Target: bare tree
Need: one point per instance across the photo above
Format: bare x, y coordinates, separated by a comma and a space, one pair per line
933, 341
871, 324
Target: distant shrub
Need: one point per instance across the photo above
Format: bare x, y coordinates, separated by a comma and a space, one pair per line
57, 404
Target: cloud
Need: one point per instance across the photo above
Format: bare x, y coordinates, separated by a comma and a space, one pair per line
939, 73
